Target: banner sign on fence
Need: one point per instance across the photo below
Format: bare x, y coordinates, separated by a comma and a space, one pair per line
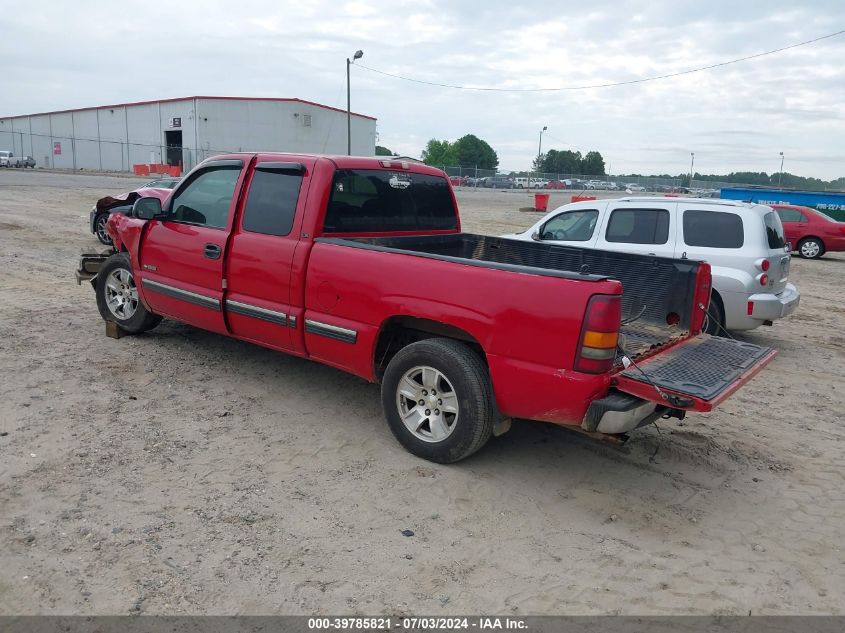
830, 203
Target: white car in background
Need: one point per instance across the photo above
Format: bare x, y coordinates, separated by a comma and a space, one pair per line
634, 187
744, 244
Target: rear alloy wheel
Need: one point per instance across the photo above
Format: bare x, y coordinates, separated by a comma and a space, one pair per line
100, 223
810, 248
438, 400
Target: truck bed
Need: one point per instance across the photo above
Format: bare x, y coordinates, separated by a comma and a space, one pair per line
657, 291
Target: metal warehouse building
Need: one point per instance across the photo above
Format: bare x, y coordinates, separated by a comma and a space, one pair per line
182, 132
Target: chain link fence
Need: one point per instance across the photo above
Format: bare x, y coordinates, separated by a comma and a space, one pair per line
474, 177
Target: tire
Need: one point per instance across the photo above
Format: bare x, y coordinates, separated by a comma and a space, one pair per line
117, 297
810, 248
712, 324
100, 229
457, 372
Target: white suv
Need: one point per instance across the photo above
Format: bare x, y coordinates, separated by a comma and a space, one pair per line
743, 243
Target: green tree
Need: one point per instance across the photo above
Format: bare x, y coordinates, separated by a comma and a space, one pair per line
383, 151
592, 164
440, 153
559, 162
472, 151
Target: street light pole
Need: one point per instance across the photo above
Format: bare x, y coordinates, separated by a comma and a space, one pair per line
358, 55
691, 163
539, 154
780, 173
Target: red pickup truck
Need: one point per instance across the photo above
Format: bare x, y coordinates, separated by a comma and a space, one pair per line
360, 263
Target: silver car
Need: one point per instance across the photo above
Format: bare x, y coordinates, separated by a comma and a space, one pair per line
744, 244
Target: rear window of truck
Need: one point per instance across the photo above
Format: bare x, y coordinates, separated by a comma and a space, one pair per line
380, 200
713, 229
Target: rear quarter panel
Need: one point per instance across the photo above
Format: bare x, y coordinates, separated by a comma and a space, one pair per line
528, 325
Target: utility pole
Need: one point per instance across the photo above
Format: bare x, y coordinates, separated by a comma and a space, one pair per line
358, 55
780, 173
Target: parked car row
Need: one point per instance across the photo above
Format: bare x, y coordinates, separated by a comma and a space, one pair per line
502, 181
8, 159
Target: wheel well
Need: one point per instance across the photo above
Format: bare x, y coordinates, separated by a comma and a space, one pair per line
400, 331
811, 237
715, 296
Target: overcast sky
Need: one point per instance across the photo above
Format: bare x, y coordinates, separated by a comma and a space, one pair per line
61, 54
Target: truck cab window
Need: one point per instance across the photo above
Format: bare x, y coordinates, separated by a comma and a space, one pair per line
383, 201
638, 226
271, 203
207, 198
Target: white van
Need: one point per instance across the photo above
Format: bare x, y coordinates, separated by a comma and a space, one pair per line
744, 244
522, 182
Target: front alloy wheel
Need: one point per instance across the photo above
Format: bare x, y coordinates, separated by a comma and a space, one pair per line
121, 294
117, 296
100, 227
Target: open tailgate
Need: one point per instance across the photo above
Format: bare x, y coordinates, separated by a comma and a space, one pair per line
696, 374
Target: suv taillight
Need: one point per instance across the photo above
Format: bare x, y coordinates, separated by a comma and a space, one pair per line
703, 282
599, 334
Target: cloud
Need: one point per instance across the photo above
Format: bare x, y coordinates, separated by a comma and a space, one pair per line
734, 118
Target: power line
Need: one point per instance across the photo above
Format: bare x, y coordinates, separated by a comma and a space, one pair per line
607, 85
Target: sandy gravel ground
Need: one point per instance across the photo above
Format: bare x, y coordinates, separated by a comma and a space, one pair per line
182, 472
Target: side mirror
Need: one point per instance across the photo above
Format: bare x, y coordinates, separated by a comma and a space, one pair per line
535, 236
146, 208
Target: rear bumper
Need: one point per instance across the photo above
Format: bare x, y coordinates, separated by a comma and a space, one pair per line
619, 413
768, 307
834, 243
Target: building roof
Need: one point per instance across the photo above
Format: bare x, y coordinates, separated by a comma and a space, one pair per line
138, 103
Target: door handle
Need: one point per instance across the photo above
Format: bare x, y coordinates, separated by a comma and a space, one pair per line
212, 251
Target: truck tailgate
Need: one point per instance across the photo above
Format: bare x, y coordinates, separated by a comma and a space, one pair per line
697, 374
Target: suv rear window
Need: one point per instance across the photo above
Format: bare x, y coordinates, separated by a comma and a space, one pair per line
713, 229
774, 230
379, 201
638, 226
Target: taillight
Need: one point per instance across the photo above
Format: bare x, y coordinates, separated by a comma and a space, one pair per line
599, 334
703, 283
765, 265
763, 279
